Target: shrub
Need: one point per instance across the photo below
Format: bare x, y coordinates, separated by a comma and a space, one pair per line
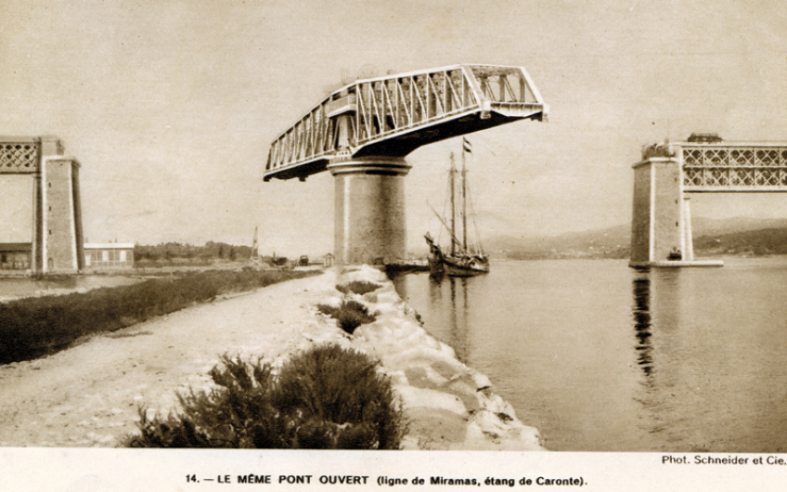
359, 287
238, 414
350, 314
326, 398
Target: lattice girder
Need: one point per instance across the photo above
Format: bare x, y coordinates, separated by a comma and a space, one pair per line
19, 156
728, 166
393, 115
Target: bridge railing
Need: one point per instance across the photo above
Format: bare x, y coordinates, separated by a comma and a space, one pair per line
734, 167
387, 107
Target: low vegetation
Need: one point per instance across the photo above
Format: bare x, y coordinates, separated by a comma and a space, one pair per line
360, 287
349, 315
326, 398
38, 326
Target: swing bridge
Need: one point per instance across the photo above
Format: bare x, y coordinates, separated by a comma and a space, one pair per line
362, 133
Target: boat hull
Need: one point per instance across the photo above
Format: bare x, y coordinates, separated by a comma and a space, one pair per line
465, 267
458, 266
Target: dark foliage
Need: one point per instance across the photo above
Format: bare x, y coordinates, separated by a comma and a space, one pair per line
237, 415
211, 250
360, 287
759, 242
350, 314
38, 326
326, 398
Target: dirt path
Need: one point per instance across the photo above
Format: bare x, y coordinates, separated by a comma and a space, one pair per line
88, 395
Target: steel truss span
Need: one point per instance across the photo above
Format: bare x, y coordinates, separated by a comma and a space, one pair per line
393, 115
735, 167
19, 155
726, 167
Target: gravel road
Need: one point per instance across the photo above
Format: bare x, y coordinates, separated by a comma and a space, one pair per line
88, 395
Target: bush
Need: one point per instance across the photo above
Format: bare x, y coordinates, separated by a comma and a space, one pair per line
360, 287
326, 398
350, 314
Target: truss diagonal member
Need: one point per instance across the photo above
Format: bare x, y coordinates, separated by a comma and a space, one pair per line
732, 166
395, 114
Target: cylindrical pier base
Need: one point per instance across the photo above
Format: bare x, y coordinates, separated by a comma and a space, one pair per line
369, 224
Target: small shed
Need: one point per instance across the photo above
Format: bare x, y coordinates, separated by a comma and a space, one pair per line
328, 260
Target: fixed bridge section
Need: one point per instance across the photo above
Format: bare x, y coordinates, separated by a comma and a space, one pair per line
733, 167
669, 172
393, 115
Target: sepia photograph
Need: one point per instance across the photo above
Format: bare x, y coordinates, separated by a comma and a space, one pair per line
368, 244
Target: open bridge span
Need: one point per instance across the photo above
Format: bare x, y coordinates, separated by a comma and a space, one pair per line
362, 132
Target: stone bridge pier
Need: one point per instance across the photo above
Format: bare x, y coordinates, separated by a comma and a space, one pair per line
661, 221
54, 243
370, 225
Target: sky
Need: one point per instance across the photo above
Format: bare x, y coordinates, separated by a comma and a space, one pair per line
170, 106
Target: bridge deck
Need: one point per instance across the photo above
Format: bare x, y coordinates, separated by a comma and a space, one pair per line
725, 167
393, 115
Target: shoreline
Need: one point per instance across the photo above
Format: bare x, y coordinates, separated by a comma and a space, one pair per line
88, 395
450, 405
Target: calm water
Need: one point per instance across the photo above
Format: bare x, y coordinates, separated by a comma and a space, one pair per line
17, 287
601, 357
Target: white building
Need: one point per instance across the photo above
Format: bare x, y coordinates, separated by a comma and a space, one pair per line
105, 256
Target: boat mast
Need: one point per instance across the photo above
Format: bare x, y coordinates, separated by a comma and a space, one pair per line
452, 174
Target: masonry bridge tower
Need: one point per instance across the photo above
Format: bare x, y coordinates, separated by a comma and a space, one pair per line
669, 172
362, 133
51, 237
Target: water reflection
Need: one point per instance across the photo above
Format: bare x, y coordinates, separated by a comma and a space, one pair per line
655, 309
642, 323
447, 310
450, 296
655, 312
600, 357
460, 308
400, 285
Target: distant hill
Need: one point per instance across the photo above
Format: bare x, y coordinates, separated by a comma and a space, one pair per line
740, 235
613, 242
749, 243
707, 227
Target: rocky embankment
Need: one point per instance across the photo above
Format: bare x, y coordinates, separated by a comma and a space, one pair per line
89, 395
449, 405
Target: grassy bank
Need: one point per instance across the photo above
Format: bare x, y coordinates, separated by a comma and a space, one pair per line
34, 327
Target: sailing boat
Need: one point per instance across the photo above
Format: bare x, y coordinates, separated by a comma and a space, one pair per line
463, 260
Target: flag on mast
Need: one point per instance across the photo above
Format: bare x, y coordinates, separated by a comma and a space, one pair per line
468, 147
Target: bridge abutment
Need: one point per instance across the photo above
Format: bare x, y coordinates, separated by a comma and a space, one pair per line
61, 245
54, 242
660, 231
370, 225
